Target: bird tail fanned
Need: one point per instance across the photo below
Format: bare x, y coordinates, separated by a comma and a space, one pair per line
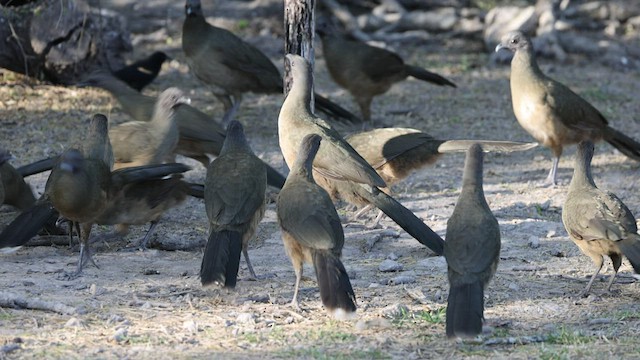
487, 146
335, 288
465, 308
221, 259
623, 143
26, 226
405, 218
630, 247
422, 74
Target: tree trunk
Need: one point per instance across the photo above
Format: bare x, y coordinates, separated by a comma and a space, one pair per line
299, 32
60, 40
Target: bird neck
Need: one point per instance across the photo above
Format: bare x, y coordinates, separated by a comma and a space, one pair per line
582, 176
524, 65
235, 144
298, 101
303, 166
472, 175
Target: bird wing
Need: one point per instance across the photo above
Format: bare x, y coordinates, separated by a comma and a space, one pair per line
378, 63
380, 146
573, 111
235, 189
306, 212
597, 215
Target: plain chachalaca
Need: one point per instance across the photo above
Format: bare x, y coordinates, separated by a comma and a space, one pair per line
142, 72
396, 153
367, 71
312, 233
232, 66
472, 251
337, 165
200, 135
13, 190
137, 143
598, 221
552, 113
234, 196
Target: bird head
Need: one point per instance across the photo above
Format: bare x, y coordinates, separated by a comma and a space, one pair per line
514, 41
193, 8
71, 161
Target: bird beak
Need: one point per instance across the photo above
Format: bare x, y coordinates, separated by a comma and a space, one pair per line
499, 47
184, 100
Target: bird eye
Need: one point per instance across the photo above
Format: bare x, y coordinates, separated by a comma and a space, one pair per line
514, 41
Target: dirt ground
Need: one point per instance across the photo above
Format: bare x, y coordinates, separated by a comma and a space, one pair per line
151, 305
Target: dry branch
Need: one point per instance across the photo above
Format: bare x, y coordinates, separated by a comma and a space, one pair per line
9, 300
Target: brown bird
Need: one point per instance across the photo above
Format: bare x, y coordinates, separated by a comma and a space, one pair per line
143, 202
553, 114
338, 168
234, 196
396, 153
137, 143
366, 71
232, 66
142, 72
472, 251
598, 221
312, 233
200, 135
13, 190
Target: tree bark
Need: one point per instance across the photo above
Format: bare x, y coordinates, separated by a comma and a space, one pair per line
60, 40
299, 32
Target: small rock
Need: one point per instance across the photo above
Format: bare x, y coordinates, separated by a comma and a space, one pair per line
374, 285
402, 279
549, 328
551, 233
389, 266
74, 322
114, 318
289, 320
376, 323
514, 287
435, 262
395, 310
190, 326
246, 318
534, 242
601, 321
120, 335
228, 323
392, 256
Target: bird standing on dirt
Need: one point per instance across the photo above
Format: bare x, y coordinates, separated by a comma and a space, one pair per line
367, 71
232, 66
472, 251
142, 72
137, 143
337, 164
312, 233
200, 135
234, 196
552, 113
598, 221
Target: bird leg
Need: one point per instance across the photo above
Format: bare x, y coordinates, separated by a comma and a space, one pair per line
613, 277
294, 302
616, 260
145, 239
585, 292
85, 249
246, 258
231, 113
552, 178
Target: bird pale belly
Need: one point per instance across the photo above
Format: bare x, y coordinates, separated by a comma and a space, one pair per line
534, 119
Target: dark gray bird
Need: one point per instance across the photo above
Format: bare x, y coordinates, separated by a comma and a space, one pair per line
472, 251
598, 221
142, 72
337, 167
312, 233
232, 66
553, 114
234, 196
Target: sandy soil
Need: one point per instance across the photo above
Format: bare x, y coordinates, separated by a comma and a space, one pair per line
151, 305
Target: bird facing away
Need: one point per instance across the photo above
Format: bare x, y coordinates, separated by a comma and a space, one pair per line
231, 66
367, 71
337, 165
598, 221
234, 197
553, 114
312, 233
13, 190
142, 72
472, 251
137, 143
200, 135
